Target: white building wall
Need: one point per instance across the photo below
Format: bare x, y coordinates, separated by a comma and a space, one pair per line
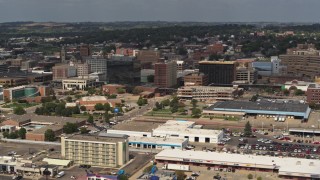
130, 133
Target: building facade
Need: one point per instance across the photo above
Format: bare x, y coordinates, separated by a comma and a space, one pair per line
165, 75
303, 61
96, 150
63, 72
98, 65
78, 83
246, 75
208, 93
219, 72
313, 93
196, 79
83, 69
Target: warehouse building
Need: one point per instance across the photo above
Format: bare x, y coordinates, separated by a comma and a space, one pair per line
173, 133
187, 130
269, 108
285, 167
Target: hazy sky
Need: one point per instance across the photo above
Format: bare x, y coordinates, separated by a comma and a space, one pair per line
164, 10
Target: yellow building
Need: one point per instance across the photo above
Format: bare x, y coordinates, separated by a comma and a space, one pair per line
104, 151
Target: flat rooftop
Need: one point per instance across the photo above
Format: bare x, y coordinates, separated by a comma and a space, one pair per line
286, 166
136, 126
43, 119
45, 128
217, 62
95, 138
263, 106
186, 127
94, 98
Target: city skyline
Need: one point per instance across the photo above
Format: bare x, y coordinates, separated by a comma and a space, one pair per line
159, 10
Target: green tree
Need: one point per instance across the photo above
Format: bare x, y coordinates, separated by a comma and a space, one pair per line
69, 99
91, 91
254, 98
70, 128
174, 108
83, 108
90, 119
19, 110
182, 51
165, 102
196, 112
66, 112
194, 103
286, 92
180, 175
107, 117
174, 101
59, 108
123, 177
49, 135
150, 78
148, 169
250, 176
141, 101
83, 130
22, 133
299, 92
107, 107
247, 129
98, 107
75, 110
13, 135
158, 105
121, 91
259, 178
5, 134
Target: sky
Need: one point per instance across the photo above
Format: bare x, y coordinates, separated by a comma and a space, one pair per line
160, 10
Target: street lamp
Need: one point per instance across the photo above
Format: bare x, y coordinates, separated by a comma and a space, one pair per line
313, 126
273, 128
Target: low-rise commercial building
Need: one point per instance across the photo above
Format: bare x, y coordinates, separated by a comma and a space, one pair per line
243, 108
187, 130
145, 140
285, 167
36, 125
78, 83
302, 85
20, 92
208, 93
104, 151
90, 101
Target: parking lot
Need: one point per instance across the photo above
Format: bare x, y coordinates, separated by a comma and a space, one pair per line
24, 149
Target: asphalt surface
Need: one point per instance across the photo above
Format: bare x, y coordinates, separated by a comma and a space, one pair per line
140, 160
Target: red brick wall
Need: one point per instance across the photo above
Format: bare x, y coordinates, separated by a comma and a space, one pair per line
34, 137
